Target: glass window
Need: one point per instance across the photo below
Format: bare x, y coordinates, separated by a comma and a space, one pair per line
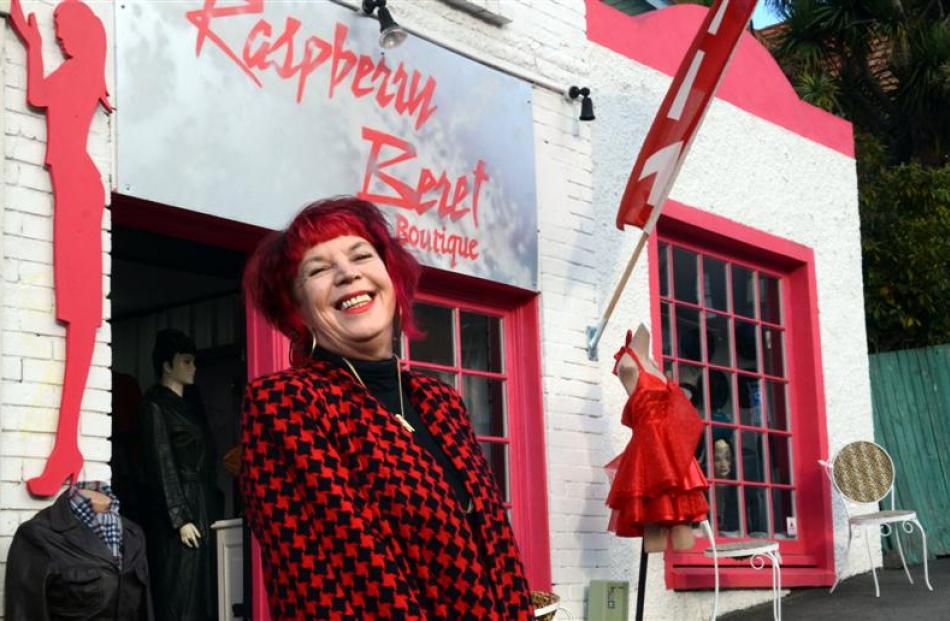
743, 291
715, 291
485, 399
770, 299
687, 333
664, 267
775, 404
497, 456
724, 336
718, 347
438, 343
685, 283
481, 342
478, 373
747, 346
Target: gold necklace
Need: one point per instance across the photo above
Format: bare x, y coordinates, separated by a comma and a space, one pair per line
400, 417
402, 409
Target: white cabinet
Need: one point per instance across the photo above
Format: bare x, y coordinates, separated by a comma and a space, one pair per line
230, 551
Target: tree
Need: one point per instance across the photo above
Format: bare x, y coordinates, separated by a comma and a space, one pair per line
882, 64
905, 239
885, 66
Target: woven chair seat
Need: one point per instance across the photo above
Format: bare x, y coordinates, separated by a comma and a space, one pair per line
883, 517
742, 549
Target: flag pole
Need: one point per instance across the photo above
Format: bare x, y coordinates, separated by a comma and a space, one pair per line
595, 332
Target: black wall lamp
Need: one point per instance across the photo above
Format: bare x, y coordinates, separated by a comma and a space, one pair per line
587, 105
391, 34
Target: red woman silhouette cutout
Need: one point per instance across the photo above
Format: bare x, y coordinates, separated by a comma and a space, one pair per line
71, 95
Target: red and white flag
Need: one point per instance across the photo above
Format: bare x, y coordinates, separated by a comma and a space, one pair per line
682, 112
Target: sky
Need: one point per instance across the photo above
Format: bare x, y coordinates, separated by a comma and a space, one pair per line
763, 16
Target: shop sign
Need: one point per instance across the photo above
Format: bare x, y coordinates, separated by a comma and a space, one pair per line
249, 110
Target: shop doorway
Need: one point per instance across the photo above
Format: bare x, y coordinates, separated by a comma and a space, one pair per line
176, 269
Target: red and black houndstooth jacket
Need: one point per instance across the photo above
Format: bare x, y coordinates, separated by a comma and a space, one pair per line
356, 521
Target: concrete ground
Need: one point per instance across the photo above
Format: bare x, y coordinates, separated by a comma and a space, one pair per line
854, 598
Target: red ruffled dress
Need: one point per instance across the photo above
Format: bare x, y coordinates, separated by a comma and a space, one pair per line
656, 480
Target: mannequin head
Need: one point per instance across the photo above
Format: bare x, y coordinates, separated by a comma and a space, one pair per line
722, 459
173, 359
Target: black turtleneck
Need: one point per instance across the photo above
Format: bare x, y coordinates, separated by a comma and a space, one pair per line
382, 382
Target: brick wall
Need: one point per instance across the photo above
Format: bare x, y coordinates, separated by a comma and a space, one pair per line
32, 341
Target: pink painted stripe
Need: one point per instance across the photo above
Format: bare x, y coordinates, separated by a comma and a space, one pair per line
753, 82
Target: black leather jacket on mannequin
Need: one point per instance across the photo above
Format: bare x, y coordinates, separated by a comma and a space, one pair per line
180, 477
59, 569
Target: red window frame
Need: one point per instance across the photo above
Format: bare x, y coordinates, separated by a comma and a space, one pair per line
527, 481
809, 559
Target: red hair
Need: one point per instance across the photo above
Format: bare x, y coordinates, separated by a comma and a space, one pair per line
271, 270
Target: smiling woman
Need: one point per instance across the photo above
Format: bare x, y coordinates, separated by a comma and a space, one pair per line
346, 296
355, 471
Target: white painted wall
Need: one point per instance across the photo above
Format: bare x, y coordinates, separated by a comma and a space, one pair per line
740, 167
759, 174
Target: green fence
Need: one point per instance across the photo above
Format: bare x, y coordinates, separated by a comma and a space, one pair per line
910, 391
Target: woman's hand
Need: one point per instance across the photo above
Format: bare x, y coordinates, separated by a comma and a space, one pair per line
26, 28
190, 535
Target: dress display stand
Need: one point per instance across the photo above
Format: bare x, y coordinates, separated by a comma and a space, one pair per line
657, 487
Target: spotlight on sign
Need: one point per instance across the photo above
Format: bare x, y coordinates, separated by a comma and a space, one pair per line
587, 104
391, 34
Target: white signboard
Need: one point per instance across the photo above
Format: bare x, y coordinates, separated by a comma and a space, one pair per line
250, 110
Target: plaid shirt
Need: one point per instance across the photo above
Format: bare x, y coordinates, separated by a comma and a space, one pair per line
106, 525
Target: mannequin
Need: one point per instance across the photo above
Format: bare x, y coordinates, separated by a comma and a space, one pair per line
78, 558
181, 493
655, 536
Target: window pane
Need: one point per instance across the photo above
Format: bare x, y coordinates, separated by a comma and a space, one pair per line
691, 381
481, 342
781, 457
727, 511
687, 333
746, 346
664, 266
753, 456
724, 453
702, 451
773, 352
665, 329
743, 291
770, 300
720, 397
668, 368
750, 401
714, 284
783, 508
685, 276
485, 399
448, 378
717, 340
496, 453
756, 512
438, 344
775, 403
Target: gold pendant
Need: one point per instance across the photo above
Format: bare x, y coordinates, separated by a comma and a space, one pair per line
405, 423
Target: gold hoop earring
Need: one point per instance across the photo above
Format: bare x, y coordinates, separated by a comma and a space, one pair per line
313, 347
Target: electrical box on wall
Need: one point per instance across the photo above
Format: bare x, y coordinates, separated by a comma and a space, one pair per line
608, 600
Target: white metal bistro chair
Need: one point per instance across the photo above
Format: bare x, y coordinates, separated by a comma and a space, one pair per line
863, 472
757, 551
